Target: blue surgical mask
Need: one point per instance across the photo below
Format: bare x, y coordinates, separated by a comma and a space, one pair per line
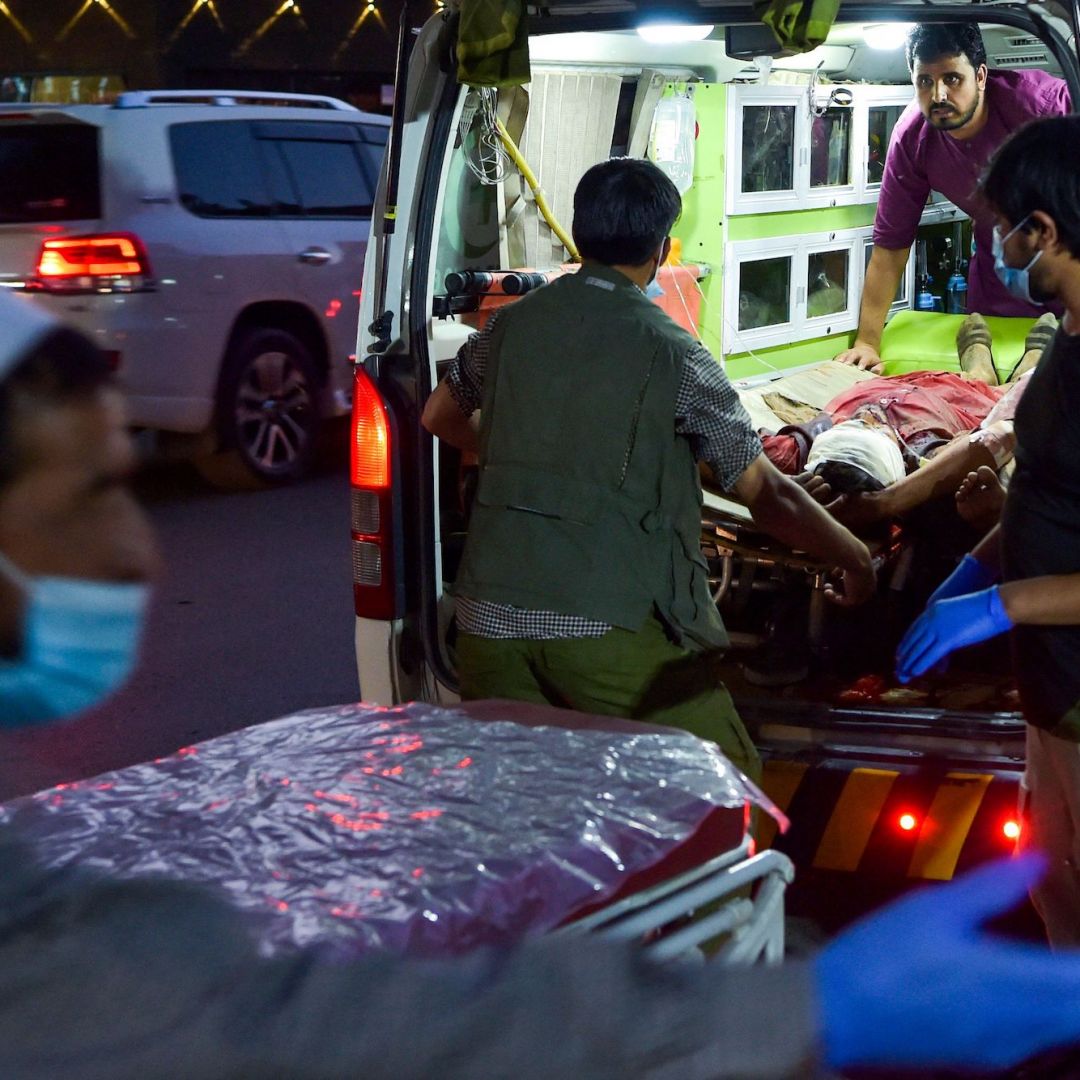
79, 642
1016, 281
654, 289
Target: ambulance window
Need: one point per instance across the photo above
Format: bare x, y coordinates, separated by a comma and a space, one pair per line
830, 148
764, 292
882, 120
827, 282
768, 147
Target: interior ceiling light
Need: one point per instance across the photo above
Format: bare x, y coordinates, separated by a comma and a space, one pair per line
196, 7
673, 33
87, 5
10, 16
890, 35
368, 11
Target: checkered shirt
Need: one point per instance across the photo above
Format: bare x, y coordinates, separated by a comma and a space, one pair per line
708, 414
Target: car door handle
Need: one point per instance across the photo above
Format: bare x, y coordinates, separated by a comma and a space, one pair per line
315, 256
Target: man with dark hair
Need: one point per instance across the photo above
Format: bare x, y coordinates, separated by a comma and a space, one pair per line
961, 113
75, 548
1033, 188
582, 583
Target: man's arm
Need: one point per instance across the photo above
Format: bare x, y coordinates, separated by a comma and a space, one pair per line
882, 279
941, 475
445, 420
1043, 601
781, 508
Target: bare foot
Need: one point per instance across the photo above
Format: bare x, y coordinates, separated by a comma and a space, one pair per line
980, 497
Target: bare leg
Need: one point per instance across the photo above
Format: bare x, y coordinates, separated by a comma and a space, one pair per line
980, 497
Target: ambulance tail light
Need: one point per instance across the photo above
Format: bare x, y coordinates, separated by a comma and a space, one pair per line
375, 590
111, 263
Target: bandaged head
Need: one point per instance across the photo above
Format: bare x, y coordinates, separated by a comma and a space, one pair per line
863, 446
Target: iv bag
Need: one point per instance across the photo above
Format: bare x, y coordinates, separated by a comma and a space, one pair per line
671, 142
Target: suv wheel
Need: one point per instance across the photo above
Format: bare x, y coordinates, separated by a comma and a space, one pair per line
267, 411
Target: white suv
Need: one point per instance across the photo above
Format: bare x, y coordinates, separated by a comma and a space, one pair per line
211, 242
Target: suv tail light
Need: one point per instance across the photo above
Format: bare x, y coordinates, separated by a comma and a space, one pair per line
115, 262
373, 523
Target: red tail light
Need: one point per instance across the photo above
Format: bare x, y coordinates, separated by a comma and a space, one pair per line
113, 263
373, 524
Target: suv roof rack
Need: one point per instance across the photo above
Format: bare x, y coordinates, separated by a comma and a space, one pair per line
140, 99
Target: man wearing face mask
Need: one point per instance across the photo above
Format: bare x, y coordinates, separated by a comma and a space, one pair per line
961, 113
75, 548
1033, 185
582, 583
103, 979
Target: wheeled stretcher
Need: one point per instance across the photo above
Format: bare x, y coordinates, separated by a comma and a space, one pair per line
432, 831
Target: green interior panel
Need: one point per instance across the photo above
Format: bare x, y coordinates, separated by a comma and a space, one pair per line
926, 340
780, 357
794, 222
701, 227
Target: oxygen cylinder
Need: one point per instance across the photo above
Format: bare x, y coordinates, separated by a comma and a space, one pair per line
671, 142
956, 293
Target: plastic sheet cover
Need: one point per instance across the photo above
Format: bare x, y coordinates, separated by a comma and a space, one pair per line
418, 829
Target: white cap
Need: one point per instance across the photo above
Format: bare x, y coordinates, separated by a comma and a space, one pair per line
855, 443
23, 325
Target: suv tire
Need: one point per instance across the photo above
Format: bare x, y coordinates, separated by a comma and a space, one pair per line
268, 414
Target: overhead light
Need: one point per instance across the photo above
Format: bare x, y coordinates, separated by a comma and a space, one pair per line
673, 33
890, 35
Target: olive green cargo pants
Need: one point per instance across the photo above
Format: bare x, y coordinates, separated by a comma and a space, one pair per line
639, 675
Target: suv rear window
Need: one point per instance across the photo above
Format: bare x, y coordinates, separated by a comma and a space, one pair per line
49, 172
219, 170
282, 168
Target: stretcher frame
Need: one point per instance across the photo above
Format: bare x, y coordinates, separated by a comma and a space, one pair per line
751, 920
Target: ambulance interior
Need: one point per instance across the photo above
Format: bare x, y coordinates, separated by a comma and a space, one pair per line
779, 160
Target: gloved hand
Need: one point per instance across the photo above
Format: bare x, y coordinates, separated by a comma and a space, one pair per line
917, 984
970, 576
947, 625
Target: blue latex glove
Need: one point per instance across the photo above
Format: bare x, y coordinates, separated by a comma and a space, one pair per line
919, 985
948, 625
970, 576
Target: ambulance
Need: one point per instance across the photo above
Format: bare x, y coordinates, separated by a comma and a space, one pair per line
778, 151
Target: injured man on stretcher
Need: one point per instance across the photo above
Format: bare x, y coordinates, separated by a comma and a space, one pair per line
892, 443
882, 447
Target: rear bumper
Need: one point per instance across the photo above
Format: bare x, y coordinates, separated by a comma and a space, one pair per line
168, 359
886, 798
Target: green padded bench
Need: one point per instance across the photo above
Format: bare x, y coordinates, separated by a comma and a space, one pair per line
926, 341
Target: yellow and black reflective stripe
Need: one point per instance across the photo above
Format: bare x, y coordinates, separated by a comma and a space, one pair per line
846, 818
781, 780
853, 819
947, 824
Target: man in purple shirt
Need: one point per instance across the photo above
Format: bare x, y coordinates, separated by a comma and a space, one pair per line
960, 115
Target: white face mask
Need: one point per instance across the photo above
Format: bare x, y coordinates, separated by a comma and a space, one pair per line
654, 289
1016, 281
80, 639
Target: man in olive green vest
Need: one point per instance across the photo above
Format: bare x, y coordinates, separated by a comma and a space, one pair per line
582, 583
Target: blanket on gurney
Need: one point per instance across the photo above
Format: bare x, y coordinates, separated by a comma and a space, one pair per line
419, 829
